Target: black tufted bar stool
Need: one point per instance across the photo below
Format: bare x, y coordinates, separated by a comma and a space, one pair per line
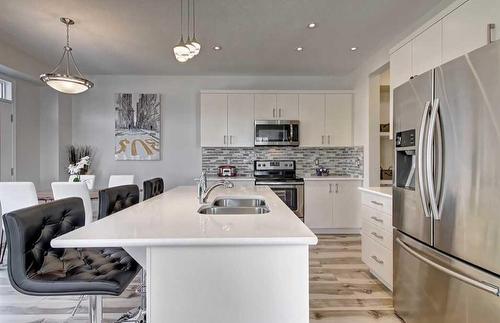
112, 200
35, 268
153, 187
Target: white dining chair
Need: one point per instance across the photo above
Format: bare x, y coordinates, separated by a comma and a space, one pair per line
87, 179
119, 180
62, 190
14, 196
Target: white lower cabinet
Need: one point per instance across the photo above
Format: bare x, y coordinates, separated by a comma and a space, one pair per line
376, 235
332, 206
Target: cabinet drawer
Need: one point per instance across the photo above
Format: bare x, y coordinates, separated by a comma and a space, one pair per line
377, 218
378, 234
379, 259
377, 202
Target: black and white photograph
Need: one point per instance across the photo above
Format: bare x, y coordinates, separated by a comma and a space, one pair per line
137, 126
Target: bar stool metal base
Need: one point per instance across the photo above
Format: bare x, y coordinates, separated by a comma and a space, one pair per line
136, 315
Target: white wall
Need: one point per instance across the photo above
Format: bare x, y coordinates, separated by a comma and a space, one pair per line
93, 119
27, 131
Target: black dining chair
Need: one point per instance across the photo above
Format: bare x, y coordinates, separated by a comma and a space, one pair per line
153, 187
36, 268
112, 200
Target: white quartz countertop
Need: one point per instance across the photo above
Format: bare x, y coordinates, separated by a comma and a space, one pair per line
382, 191
331, 178
234, 178
172, 219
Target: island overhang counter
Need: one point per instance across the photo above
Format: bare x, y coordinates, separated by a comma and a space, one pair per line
234, 268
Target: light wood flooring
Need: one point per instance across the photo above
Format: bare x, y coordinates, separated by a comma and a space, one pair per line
341, 290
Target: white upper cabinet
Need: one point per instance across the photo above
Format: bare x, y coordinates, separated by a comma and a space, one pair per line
276, 106
312, 120
427, 50
466, 28
240, 120
227, 120
288, 106
213, 120
401, 65
338, 120
265, 106
325, 120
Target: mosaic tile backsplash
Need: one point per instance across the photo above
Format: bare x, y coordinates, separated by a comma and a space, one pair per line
342, 161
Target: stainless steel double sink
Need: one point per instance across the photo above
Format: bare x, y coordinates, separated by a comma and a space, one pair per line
235, 205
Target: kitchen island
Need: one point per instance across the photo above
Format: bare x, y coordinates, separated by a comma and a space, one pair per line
234, 268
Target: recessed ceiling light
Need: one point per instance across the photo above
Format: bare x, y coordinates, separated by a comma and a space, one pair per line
354, 49
312, 25
299, 49
216, 47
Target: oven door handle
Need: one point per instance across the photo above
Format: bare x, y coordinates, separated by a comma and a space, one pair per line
280, 184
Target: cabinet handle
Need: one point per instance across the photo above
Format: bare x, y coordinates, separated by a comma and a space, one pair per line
231, 140
377, 236
330, 186
379, 220
489, 33
328, 139
322, 140
225, 139
279, 112
336, 188
274, 113
377, 260
377, 203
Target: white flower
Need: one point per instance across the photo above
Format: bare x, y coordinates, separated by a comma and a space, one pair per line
75, 169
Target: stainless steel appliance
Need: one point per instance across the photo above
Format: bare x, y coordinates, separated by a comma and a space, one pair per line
446, 192
280, 176
226, 171
276, 133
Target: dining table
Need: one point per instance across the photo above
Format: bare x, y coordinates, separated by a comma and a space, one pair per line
48, 196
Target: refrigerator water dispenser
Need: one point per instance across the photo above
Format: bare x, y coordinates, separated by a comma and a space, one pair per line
405, 159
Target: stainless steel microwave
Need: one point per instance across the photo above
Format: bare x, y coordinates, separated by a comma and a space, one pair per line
276, 133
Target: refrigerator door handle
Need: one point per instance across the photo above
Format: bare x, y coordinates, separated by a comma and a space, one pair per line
420, 160
429, 161
490, 288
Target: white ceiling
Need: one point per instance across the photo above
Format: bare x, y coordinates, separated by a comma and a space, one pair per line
257, 36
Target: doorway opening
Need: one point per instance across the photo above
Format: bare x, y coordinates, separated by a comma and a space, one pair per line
7, 136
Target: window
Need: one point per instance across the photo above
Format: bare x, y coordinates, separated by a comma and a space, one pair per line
5, 90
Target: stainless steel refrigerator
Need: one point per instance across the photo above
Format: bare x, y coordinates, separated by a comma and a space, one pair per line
446, 192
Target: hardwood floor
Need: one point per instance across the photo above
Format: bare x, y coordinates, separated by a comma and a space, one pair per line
341, 290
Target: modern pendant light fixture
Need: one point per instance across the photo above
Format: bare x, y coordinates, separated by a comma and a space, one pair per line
191, 48
181, 52
61, 78
195, 42
185, 50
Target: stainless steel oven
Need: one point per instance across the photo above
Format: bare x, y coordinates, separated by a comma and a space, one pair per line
276, 133
292, 193
280, 177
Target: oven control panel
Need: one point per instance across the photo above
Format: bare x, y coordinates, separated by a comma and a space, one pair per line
274, 165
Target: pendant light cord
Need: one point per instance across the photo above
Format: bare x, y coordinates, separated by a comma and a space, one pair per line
182, 5
189, 13
194, 22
